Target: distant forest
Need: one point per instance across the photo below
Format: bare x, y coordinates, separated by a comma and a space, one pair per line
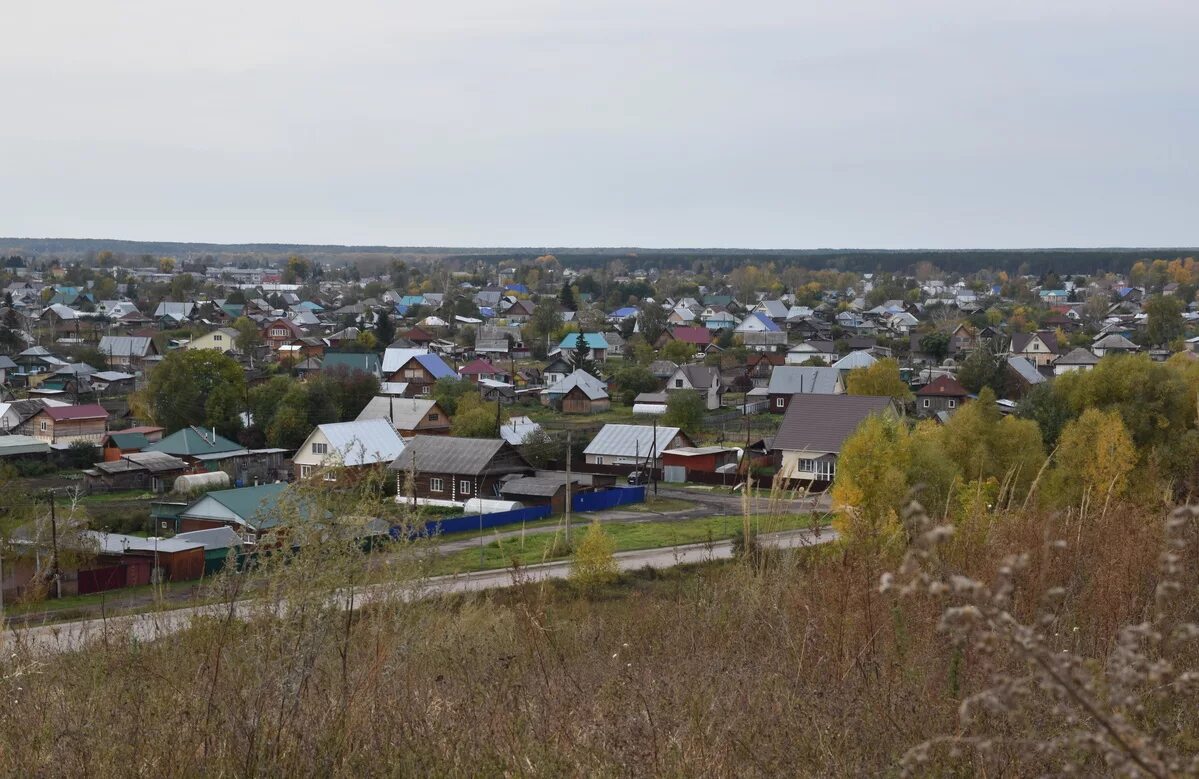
1034, 261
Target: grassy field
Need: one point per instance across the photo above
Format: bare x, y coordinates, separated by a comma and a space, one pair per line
628, 536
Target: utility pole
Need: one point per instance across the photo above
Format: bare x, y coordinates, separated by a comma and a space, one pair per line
568, 498
654, 457
54, 548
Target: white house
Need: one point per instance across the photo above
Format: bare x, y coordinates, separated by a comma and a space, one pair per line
339, 445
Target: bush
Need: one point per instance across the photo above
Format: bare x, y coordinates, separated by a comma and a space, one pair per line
595, 560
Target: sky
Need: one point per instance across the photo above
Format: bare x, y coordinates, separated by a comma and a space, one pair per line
754, 124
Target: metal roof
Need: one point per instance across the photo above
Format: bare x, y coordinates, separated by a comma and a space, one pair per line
460, 456
630, 440
793, 379
1077, 356
363, 441
404, 413
22, 444
192, 441
1025, 369
592, 387
125, 345
537, 486
821, 423
859, 359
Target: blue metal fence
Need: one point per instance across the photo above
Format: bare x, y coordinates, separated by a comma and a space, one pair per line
583, 502
607, 499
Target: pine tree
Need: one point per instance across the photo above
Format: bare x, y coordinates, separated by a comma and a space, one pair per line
567, 297
384, 329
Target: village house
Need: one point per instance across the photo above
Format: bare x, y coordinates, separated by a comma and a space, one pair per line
789, 380
408, 416
127, 351
222, 339
68, 424
942, 394
703, 379
578, 393
280, 332
810, 436
1076, 360
1039, 348
338, 450
633, 446
456, 469
417, 368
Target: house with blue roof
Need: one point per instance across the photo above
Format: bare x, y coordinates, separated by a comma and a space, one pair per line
760, 333
417, 368
595, 342
621, 314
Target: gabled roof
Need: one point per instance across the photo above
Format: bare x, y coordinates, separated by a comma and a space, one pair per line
63, 413
1020, 341
251, 506
758, 322
476, 366
362, 442
126, 345
699, 336
193, 441
592, 340
631, 440
1025, 369
794, 379
1115, 341
367, 362
701, 377
1077, 356
459, 456
404, 413
590, 386
128, 440
859, 359
943, 386
821, 423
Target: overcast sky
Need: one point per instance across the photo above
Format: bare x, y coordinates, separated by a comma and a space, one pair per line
799, 124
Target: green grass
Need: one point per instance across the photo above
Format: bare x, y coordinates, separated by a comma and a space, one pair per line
658, 505
80, 602
121, 496
628, 536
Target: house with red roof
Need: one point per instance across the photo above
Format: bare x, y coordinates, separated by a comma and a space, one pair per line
419, 336
68, 424
479, 369
943, 393
699, 337
281, 332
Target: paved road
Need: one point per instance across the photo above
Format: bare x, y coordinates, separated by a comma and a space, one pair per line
69, 636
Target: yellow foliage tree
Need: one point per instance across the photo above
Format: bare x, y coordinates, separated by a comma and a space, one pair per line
872, 483
881, 379
595, 559
1094, 457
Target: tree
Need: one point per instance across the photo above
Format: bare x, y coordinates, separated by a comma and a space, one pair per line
983, 367
196, 387
984, 444
289, 426
546, 321
477, 418
595, 559
678, 352
567, 297
449, 390
265, 400
1164, 320
541, 448
166, 265
685, 410
581, 356
384, 329
871, 484
249, 337
653, 321
632, 380
881, 378
349, 390
1048, 409
1094, 458
935, 345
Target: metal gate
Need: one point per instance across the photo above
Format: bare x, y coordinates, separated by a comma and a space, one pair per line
674, 474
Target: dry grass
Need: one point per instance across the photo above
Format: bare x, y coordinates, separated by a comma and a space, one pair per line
787, 664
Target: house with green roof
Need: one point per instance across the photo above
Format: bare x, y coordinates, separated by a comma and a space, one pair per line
204, 450
248, 510
367, 362
595, 342
192, 442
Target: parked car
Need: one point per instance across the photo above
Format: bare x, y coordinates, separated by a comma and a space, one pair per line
638, 477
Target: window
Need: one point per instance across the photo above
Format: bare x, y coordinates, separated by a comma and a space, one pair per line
780, 402
464, 486
320, 448
599, 461
218, 337
330, 475
807, 466
305, 471
928, 402
953, 404
678, 382
436, 485
424, 389
45, 425
412, 373
434, 417
279, 332
826, 469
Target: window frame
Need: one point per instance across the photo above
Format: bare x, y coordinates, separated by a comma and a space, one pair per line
464, 487
436, 484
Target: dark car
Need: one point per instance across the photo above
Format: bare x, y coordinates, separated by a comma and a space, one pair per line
638, 477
